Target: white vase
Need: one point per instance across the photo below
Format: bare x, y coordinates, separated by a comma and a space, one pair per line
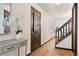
19, 35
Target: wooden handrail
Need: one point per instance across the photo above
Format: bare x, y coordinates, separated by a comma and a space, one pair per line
64, 24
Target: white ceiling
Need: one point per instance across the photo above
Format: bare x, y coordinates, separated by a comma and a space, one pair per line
57, 10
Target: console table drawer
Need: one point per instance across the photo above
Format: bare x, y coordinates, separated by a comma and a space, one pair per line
10, 45
9, 48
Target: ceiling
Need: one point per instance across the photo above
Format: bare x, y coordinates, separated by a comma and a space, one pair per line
57, 10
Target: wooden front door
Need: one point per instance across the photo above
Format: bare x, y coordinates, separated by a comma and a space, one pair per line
35, 29
74, 28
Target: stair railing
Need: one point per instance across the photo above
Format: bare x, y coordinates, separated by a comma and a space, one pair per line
64, 31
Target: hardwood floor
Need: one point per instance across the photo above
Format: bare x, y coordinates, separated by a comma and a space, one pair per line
49, 50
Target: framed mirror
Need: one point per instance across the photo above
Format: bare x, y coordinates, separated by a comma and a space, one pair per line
5, 18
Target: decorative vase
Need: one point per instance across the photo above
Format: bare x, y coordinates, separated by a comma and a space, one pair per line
19, 35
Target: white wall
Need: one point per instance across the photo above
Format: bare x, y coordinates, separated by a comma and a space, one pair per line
24, 11
61, 20
66, 43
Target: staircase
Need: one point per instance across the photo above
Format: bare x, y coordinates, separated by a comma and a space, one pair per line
64, 31
68, 30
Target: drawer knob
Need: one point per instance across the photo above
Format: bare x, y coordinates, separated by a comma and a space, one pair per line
10, 47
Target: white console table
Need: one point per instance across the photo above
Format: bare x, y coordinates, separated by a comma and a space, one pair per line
18, 47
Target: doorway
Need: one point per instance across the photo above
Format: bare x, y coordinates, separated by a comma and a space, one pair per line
35, 29
74, 28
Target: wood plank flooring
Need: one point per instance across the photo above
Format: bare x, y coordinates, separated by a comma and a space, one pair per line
49, 50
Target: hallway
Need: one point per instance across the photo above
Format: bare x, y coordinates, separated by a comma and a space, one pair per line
37, 23
48, 49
